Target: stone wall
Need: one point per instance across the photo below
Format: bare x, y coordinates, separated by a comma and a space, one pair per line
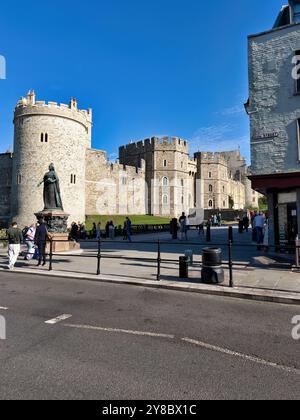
273, 105
170, 174
46, 133
112, 188
5, 189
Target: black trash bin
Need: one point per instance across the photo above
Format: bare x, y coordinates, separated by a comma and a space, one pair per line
183, 267
212, 271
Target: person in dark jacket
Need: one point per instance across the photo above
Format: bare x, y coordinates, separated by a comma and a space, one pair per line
40, 240
15, 238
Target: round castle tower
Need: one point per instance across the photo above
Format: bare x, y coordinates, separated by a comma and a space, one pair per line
47, 133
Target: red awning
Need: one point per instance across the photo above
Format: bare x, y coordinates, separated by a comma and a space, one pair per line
263, 183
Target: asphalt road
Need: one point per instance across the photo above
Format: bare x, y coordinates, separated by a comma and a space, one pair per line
124, 342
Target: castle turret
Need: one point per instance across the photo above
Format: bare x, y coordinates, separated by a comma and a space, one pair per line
45, 133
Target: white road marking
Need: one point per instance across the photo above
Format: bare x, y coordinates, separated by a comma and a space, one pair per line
241, 356
58, 319
201, 344
3, 308
117, 330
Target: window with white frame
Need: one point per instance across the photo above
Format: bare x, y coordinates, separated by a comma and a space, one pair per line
165, 181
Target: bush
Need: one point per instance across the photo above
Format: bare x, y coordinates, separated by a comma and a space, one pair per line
3, 234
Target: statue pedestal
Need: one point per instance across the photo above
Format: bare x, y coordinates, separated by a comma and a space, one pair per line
57, 225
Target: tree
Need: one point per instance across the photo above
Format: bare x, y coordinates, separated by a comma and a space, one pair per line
263, 203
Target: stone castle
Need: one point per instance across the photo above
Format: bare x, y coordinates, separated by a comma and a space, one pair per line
155, 176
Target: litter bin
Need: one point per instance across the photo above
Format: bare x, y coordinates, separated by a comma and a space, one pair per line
183, 268
212, 271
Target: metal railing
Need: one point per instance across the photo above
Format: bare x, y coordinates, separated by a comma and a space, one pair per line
99, 255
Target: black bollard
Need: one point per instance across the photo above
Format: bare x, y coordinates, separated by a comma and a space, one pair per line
183, 268
208, 233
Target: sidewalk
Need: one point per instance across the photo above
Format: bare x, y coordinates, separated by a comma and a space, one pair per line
256, 275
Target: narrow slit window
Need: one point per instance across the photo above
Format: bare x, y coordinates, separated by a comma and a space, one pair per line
297, 72
46, 138
298, 139
42, 137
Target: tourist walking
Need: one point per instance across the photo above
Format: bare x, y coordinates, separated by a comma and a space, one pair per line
74, 231
259, 223
41, 236
266, 236
15, 238
215, 220
246, 223
107, 230
94, 231
29, 240
128, 229
183, 227
220, 219
111, 230
98, 231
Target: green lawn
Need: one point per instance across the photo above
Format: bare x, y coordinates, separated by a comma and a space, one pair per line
119, 220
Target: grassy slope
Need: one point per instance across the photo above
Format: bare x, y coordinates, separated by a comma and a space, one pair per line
119, 220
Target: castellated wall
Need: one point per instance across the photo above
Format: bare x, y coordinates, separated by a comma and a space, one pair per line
5, 188
46, 133
170, 174
114, 188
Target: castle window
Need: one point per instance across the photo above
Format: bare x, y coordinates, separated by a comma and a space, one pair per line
73, 179
165, 200
165, 182
182, 200
209, 175
296, 11
223, 189
46, 138
181, 164
19, 179
224, 204
182, 182
210, 204
42, 137
165, 163
210, 188
124, 181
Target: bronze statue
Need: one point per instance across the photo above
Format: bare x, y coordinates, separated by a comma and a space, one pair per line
52, 197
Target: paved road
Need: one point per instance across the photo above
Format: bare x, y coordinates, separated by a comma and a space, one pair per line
127, 343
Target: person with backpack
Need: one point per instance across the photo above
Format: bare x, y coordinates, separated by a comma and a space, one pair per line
29, 236
183, 227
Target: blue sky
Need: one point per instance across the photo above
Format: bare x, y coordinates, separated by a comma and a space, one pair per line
146, 67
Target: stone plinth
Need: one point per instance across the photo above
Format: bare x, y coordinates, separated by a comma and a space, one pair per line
56, 220
57, 225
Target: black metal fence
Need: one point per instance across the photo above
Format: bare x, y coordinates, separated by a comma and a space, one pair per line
98, 252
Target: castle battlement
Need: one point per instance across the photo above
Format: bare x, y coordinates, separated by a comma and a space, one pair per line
30, 106
211, 158
156, 144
